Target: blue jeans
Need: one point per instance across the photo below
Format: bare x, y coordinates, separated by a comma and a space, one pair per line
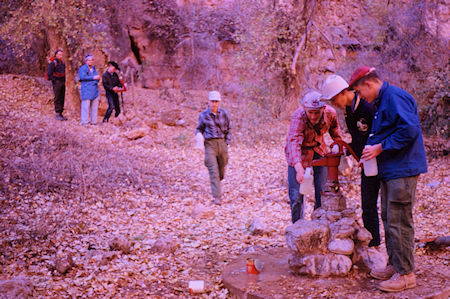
296, 199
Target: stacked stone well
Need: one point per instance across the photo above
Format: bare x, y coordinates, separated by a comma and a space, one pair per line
332, 242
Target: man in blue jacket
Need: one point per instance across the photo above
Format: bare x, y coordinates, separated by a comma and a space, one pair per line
396, 141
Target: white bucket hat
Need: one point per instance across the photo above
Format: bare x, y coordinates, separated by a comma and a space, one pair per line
333, 85
214, 96
311, 101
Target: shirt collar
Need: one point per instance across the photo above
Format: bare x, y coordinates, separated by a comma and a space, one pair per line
356, 102
210, 112
381, 92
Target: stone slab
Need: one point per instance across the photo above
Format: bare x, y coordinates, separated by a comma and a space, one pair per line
276, 281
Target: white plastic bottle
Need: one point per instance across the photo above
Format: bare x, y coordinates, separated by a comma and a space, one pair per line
307, 187
370, 166
198, 141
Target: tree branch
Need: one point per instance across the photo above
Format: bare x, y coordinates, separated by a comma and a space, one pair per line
327, 39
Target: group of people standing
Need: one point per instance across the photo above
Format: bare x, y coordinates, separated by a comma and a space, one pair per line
89, 79
384, 124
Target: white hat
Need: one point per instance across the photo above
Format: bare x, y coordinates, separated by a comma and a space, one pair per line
333, 85
311, 101
214, 96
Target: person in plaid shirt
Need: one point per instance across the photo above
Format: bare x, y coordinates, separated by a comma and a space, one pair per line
214, 124
305, 143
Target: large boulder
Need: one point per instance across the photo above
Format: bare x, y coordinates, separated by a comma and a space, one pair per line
306, 237
320, 265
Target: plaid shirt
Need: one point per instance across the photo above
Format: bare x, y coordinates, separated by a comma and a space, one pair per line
304, 139
215, 125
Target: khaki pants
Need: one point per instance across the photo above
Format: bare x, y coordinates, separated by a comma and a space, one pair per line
216, 158
397, 200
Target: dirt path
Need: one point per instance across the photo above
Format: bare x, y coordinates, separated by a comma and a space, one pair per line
148, 189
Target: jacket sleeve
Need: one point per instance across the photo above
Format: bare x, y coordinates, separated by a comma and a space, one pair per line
334, 130
85, 74
403, 117
51, 69
295, 138
107, 82
228, 131
200, 125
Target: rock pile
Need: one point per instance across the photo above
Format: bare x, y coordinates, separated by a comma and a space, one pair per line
331, 242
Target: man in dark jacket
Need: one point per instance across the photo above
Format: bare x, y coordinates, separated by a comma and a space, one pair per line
358, 117
396, 141
111, 83
57, 74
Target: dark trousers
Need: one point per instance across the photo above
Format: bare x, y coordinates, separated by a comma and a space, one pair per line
59, 90
397, 200
216, 158
296, 199
113, 104
370, 187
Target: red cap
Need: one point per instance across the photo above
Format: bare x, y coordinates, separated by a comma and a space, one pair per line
359, 73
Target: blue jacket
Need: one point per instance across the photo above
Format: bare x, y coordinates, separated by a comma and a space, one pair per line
396, 126
89, 89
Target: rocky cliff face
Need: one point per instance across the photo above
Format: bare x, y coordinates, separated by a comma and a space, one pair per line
191, 44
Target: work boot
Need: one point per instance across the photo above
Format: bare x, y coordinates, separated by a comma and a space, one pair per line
61, 117
399, 283
383, 274
217, 201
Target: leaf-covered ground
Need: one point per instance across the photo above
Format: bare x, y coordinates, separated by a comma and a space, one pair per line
69, 190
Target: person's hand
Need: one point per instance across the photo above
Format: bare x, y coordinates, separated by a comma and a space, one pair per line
371, 151
116, 88
300, 172
97, 77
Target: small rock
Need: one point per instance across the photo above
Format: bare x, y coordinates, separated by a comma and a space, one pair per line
432, 184
341, 232
63, 264
350, 213
318, 214
363, 236
344, 246
164, 245
136, 133
120, 243
18, 287
333, 216
171, 117
258, 227
107, 257
202, 212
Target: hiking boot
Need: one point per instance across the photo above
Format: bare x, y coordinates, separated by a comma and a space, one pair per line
399, 283
217, 201
59, 116
383, 274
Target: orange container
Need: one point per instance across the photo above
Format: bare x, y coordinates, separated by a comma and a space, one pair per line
251, 269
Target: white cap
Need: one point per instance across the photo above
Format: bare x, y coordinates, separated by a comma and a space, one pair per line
214, 96
311, 101
333, 85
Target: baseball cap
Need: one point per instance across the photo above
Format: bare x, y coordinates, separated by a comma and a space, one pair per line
214, 96
359, 73
311, 101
